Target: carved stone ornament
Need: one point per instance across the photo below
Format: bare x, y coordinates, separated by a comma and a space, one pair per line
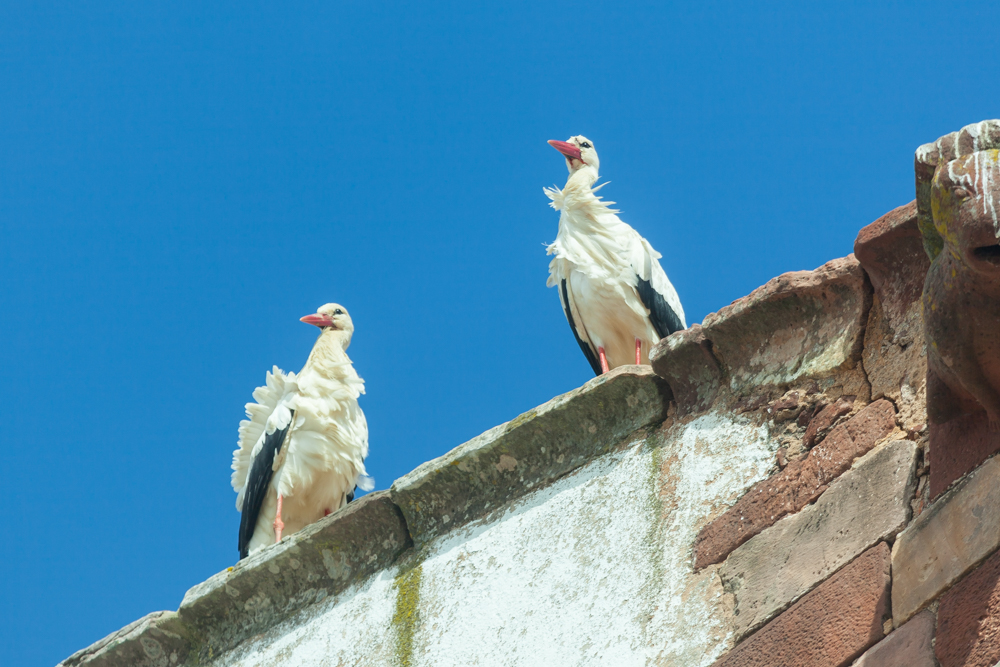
958, 202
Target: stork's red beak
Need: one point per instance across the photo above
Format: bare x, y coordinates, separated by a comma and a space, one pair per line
317, 320
567, 149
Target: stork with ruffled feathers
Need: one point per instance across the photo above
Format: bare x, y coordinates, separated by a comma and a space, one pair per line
302, 449
615, 295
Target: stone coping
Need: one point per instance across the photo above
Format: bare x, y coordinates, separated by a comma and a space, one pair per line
802, 324
370, 534
533, 450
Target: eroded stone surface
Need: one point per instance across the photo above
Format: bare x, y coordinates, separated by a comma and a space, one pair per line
968, 632
800, 324
825, 417
829, 626
961, 298
892, 254
684, 359
797, 485
534, 449
891, 251
908, 646
320, 560
155, 640
895, 361
957, 531
866, 504
970, 139
957, 447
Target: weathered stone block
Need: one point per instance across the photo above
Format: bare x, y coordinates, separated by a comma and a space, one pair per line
155, 640
867, 504
968, 631
684, 359
908, 646
800, 324
895, 362
829, 626
320, 560
825, 418
957, 531
796, 486
891, 252
957, 447
530, 451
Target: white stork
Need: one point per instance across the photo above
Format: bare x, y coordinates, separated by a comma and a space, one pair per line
303, 448
615, 295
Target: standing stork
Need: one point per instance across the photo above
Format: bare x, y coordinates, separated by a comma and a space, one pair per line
303, 448
616, 297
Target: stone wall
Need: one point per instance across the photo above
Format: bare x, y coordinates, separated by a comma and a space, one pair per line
768, 493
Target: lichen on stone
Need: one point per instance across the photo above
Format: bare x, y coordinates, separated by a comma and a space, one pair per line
406, 616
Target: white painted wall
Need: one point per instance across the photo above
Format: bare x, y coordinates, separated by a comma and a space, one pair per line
594, 569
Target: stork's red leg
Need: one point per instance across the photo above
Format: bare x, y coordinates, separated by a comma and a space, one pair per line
638, 351
604, 360
279, 525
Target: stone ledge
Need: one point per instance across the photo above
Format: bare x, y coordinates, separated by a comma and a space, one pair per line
800, 324
155, 640
261, 591
829, 626
513, 459
891, 252
948, 539
796, 486
803, 324
320, 560
684, 359
790, 558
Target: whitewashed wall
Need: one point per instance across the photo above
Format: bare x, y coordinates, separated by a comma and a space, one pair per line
594, 568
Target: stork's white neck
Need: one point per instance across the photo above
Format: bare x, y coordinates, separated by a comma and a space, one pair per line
329, 352
582, 179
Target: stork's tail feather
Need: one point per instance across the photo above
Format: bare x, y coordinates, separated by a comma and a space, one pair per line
252, 429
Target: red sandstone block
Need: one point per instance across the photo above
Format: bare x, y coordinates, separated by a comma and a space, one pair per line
825, 417
829, 626
892, 254
968, 631
909, 646
796, 486
958, 447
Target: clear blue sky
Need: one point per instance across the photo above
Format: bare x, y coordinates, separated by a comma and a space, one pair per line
180, 182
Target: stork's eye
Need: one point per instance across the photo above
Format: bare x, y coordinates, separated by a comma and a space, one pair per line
338, 312
585, 144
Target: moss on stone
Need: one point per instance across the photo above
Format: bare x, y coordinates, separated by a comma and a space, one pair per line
406, 615
653, 539
521, 419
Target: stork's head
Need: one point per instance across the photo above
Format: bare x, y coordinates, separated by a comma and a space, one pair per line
332, 316
579, 152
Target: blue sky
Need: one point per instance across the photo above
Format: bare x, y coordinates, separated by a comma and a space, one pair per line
180, 182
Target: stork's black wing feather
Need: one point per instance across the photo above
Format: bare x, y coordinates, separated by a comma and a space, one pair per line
257, 482
662, 316
587, 351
